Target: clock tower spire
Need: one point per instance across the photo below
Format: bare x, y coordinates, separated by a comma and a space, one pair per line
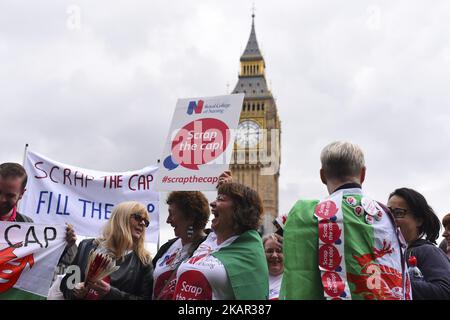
257, 149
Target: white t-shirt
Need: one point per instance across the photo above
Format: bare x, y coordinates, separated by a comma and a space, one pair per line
203, 277
164, 270
274, 286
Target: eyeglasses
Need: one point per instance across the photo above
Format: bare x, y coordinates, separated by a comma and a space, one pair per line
398, 212
140, 218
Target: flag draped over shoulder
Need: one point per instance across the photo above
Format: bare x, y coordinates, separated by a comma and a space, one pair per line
343, 247
301, 276
29, 253
246, 266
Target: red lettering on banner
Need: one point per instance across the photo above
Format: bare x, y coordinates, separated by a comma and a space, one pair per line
79, 177
58, 175
36, 166
67, 175
51, 174
142, 181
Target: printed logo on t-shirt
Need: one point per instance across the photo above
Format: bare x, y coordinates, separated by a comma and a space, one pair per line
193, 285
195, 259
168, 289
168, 259
274, 294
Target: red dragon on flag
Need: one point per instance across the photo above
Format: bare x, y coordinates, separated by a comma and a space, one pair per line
11, 266
388, 281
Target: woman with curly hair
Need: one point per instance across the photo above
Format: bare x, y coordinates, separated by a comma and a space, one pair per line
188, 215
230, 264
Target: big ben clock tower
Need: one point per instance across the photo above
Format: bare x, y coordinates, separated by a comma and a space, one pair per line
257, 148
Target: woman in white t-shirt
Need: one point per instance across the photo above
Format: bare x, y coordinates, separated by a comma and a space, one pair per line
274, 255
188, 215
230, 264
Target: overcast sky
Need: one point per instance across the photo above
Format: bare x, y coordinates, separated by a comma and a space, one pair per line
94, 83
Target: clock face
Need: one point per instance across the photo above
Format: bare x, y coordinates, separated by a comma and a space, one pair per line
248, 134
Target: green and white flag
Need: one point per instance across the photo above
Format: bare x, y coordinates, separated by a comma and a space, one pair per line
343, 247
29, 253
246, 266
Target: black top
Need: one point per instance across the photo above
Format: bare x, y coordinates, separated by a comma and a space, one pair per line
443, 245
163, 250
133, 280
435, 268
22, 218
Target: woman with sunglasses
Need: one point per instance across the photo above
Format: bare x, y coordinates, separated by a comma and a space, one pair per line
420, 228
123, 239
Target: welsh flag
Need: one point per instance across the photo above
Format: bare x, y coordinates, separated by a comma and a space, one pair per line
246, 266
343, 247
28, 256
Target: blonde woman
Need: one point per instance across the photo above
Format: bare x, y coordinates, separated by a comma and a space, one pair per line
123, 237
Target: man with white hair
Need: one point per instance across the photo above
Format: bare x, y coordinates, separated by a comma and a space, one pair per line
347, 245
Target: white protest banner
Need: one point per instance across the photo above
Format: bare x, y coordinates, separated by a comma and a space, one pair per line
60, 193
200, 142
29, 253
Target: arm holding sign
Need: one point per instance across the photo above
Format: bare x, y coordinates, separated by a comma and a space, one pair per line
225, 177
71, 237
71, 248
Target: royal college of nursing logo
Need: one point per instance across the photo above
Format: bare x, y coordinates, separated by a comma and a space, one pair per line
194, 106
199, 141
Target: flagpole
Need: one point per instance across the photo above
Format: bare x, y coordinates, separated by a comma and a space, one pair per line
25, 154
19, 206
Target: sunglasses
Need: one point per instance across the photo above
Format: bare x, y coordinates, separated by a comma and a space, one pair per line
140, 218
398, 212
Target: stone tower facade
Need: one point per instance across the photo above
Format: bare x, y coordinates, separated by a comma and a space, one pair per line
257, 148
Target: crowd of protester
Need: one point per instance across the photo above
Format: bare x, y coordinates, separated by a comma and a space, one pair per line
322, 250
